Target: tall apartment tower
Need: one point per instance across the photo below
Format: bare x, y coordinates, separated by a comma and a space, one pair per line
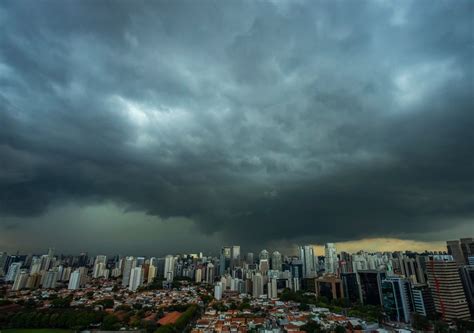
235, 257
307, 257
276, 261
136, 278
446, 287
170, 264
257, 285
129, 264
330, 258
75, 280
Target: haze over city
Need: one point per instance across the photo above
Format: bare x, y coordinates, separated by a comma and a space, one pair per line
155, 127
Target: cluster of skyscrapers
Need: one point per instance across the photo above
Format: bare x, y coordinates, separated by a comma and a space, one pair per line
402, 283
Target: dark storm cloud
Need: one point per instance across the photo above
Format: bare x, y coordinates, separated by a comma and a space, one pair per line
262, 121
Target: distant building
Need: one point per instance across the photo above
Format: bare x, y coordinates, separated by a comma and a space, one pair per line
170, 263
210, 273
218, 291
20, 280
454, 249
272, 288
198, 275
100, 265
75, 280
276, 261
136, 278
128, 265
50, 279
330, 258
308, 260
13, 271
225, 260
467, 248
257, 285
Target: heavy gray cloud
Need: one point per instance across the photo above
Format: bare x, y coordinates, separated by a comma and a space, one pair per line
259, 121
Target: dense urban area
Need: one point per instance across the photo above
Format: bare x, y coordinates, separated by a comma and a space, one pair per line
264, 292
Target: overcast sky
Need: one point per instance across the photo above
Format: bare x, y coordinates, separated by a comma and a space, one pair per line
172, 126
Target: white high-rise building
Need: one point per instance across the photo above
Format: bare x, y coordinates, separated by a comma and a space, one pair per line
136, 278
13, 271
100, 265
210, 273
218, 291
35, 265
20, 280
276, 261
74, 280
272, 288
257, 285
330, 259
169, 267
307, 258
129, 264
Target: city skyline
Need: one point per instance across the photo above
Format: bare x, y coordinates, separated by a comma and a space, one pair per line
167, 126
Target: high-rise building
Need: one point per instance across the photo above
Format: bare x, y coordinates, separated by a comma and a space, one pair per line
330, 258
34, 281
170, 263
210, 273
454, 249
307, 258
100, 265
235, 257
351, 287
50, 279
129, 264
20, 280
422, 300
467, 248
249, 258
152, 271
75, 280
198, 275
257, 285
467, 278
136, 278
264, 255
3, 263
446, 286
264, 266
276, 261
225, 259
370, 282
397, 299
13, 271
218, 291
272, 288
